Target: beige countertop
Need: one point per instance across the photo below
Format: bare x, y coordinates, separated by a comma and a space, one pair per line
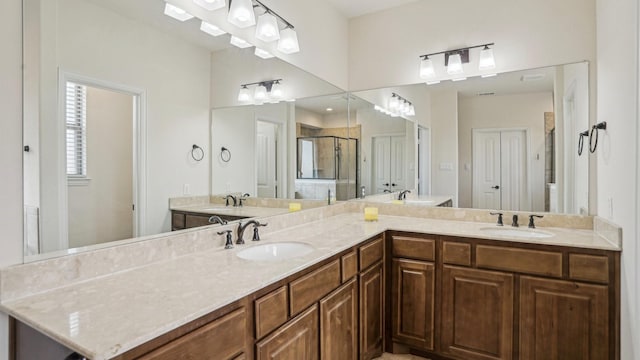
109, 315
245, 211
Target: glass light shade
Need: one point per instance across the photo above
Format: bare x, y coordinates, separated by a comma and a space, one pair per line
412, 110
487, 61
210, 4
211, 29
260, 94
241, 13
288, 43
267, 29
176, 12
394, 103
276, 93
241, 43
455, 64
263, 53
244, 96
426, 69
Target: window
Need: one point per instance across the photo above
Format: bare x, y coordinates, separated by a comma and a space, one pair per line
76, 122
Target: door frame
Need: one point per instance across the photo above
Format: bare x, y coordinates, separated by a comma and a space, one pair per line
422, 128
527, 135
139, 129
371, 151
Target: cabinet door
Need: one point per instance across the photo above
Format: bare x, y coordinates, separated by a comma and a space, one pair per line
339, 324
221, 339
563, 320
297, 339
413, 300
477, 313
371, 312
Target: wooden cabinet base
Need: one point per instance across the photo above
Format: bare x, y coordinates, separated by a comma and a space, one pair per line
298, 339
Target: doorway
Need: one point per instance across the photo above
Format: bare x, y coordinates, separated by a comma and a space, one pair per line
388, 158
500, 169
424, 161
267, 158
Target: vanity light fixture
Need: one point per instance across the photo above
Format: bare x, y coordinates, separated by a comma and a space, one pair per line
398, 106
267, 29
263, 53
288, 42
241, 13
241, 43
211, 29
176, 12
210, 4
454, 60
265, 91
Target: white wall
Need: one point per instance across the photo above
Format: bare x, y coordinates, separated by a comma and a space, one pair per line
235, 129
384, 47
10, 146
502, 112
100, 211
444, 143
617, 154
173, 73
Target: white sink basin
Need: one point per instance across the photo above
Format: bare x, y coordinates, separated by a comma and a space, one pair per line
515, 232
275, 251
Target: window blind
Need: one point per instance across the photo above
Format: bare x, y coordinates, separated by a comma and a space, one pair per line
76, 120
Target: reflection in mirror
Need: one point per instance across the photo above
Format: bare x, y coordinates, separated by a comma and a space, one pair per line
106, 155
507, 142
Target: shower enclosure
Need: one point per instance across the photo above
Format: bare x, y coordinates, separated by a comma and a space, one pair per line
326, 163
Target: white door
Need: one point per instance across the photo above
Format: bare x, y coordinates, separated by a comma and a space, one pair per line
500, 170
266, 157
424, 161
388, 159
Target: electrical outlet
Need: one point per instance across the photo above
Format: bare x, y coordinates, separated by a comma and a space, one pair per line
185, 189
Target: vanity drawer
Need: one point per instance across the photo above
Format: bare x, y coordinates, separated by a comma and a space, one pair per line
519, 260
589, 268
349, 266
220, 339
195, 221
271, 311
311, 287
456, 253
177, 221
371, 253
414, 248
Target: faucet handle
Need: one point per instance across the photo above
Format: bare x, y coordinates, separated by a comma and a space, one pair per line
256, 235
499, 223
532, 225
229, 243
515, 221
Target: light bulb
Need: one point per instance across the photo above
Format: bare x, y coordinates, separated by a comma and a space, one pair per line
241, 43
210, 4
176, 12
244, 96
267, 28
263, 53
241, 13
486, 59
426, 68
288, 43
455, 64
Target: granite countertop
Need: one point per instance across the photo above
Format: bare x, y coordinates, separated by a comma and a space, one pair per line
244, 211
109, 315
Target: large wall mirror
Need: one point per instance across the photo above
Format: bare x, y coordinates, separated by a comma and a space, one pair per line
116, 95
508, 142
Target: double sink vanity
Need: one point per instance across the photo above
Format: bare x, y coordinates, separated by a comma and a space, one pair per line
323, 283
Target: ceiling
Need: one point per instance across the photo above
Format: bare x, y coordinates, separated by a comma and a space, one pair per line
353, 8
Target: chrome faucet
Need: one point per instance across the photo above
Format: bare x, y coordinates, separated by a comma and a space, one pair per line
515, 221
215, 219
403, 194
226, 200
242, 227
242, 198
532, 225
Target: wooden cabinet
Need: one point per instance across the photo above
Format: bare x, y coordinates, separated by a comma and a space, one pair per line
339, 323
223, 339
563, 320
181, 220
477, 313
298, 339
371, 312
413, 294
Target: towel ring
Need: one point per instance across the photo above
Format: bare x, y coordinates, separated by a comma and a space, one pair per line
197, 153
596, 127
581, 141
225, 154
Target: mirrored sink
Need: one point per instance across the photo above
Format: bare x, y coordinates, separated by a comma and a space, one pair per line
275, 251
516, 232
